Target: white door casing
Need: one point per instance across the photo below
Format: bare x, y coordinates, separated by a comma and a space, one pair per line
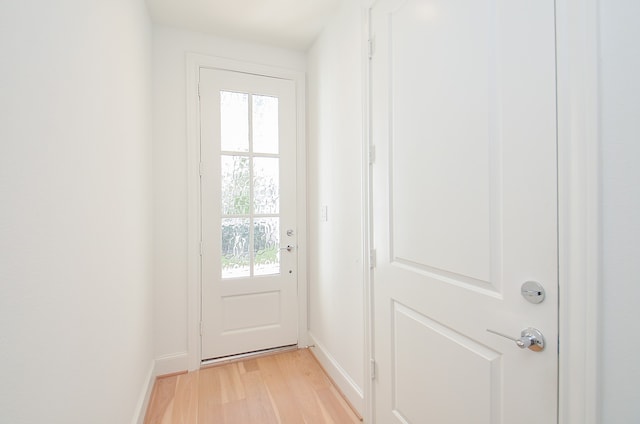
256, 308
464, 210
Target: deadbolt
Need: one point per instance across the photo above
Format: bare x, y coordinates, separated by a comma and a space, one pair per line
532, 291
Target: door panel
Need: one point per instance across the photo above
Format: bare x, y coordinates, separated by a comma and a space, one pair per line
249, 277
464, 209
423, 350
451, 159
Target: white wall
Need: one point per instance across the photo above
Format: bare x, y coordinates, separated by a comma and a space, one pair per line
75, 211
620, 137
170, 173
335, 123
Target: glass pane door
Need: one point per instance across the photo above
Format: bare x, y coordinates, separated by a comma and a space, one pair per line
248, 134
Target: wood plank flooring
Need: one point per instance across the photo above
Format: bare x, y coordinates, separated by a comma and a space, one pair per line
285, 388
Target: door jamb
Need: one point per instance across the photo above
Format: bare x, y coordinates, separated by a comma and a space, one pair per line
579, 212
579, 204
368, 151
194, 306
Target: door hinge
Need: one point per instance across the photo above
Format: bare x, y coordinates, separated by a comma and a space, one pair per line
372, 154
372, 363
198, 88
201, 169
201, 248
201, 328
371, 47
372, 258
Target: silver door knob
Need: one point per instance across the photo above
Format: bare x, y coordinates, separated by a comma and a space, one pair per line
289, 248
530, 338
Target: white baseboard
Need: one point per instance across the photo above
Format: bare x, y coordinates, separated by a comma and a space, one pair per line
168, 364
340, 377
173, 363
145, 395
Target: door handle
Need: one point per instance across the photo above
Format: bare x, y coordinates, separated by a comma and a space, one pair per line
530, 338
289, 248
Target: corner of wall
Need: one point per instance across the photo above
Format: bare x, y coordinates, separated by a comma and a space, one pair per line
145, 395
169, 364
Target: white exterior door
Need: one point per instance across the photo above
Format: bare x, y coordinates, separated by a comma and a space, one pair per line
464, 210
248, 186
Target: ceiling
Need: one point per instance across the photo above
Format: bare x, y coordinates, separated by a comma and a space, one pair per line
292, 24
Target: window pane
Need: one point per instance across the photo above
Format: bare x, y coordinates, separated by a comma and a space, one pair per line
266, 185
267, 246
235, 185
235, 247
265, 124
234, 121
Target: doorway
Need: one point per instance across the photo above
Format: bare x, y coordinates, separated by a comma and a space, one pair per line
248, 211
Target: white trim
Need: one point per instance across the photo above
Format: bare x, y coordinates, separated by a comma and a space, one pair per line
579, 210
193, 64
193, 214
367, 226
169, 364
145, 395
340, 377
303, 229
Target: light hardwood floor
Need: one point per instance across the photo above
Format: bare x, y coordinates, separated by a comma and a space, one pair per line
285, 388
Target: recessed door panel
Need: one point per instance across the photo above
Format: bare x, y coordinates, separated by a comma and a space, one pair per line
250, 311
439, 138
441, 376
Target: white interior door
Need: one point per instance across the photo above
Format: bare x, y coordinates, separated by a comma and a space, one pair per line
464, 210
248, 174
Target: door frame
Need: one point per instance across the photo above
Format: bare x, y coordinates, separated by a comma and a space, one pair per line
194, 62
579, 212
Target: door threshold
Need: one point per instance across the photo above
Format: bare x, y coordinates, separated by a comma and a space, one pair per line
240, 356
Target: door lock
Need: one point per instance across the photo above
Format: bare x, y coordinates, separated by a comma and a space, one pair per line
533, 292
530, 338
